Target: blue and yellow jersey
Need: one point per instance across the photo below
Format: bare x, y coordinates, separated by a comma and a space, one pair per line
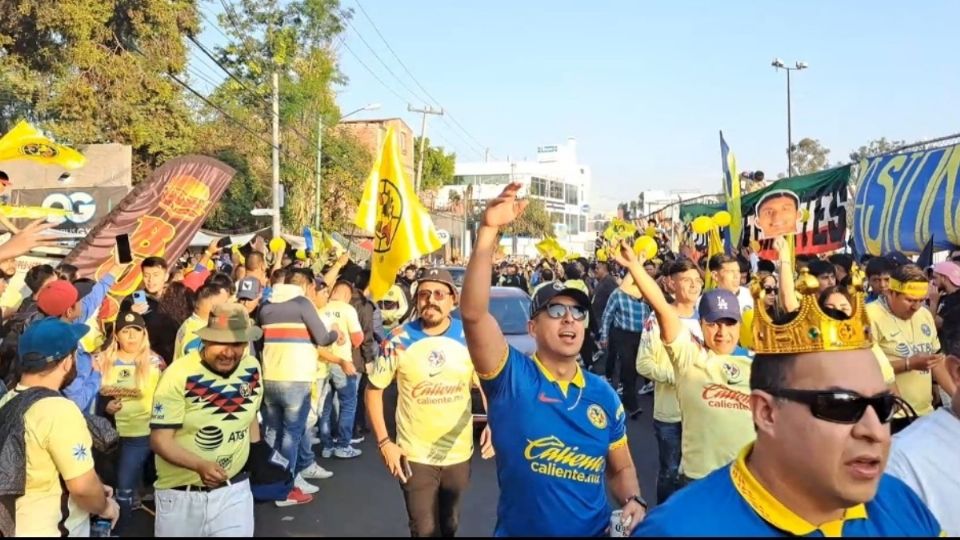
552, 440
732, 502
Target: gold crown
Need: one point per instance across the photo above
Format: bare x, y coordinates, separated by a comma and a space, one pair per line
812, 330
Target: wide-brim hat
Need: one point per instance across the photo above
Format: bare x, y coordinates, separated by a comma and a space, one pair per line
229, 323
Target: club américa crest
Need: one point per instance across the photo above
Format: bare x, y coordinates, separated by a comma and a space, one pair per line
390, 202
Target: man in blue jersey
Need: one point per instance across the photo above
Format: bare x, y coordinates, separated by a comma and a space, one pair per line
822, 415
559, 432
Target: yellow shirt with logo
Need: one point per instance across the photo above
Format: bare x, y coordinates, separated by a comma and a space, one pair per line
342, 317
714, 395
187, 339
897, 337
211, 414
133, 418
654, 364
434, 375
58, 448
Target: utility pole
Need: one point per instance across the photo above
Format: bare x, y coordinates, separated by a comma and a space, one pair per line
316, 202
423, 138
276, 154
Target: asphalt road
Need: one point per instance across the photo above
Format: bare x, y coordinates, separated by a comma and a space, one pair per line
361, 499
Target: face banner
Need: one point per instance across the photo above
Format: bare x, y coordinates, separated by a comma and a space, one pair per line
161, 215
810, 206
904, 200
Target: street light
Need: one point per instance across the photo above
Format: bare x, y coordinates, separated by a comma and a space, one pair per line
316, 211
778, 65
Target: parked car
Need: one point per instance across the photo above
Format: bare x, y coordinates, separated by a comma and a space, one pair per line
511, 308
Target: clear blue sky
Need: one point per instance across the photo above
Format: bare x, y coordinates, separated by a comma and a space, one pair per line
645, 86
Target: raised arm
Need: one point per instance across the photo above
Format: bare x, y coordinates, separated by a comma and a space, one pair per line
670, 324
788, 287
485, 340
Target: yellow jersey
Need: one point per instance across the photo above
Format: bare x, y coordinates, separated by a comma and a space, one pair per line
714, 395
58, 448
897, 337
133, 418
187, 339
434, 375
343, 318
211, 414
654, 364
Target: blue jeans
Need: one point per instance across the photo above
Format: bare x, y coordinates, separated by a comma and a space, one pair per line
285, 408
346, 389
669, 435
134, 453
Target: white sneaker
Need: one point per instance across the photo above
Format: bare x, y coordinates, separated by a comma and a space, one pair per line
347, 453
326, 453
305, 486
315, 472
314, 440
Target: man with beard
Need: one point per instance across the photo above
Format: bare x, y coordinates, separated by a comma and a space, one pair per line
59, 488
430, 362
204, 421
822, 413
559, 431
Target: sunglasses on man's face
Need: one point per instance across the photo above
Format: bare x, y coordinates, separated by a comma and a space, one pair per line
437, 294
842, 406
559, 311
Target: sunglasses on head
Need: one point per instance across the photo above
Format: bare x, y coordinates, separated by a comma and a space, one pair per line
842, 406
559, 311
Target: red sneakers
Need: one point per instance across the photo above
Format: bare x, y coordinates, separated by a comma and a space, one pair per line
294, 498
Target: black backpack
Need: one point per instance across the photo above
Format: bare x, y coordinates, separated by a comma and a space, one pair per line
11, 330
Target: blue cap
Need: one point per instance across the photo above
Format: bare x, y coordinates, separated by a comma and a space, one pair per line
719, 304
47, 341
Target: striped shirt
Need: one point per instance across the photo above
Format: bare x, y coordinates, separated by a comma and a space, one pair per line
625, 312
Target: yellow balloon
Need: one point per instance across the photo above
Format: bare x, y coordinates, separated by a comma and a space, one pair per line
746, 329
702, 225
651, 232
211, 265
302, 254
277, 245
722, 218
647, 246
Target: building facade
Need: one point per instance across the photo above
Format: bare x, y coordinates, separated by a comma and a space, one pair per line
556, 177
370, 133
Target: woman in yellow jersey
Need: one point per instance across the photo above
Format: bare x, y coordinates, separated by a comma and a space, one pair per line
131, 372
905, 329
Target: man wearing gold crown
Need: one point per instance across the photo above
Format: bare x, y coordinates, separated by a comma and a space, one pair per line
711, 382
822, 415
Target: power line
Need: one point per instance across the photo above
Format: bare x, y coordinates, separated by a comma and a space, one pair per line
375, 76
384, 64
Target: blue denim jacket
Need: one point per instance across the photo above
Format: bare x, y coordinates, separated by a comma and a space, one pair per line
83, 390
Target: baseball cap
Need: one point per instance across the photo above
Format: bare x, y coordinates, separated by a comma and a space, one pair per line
897, 258
248, 289
47, 341
719, 304
229, 323
439, 275
56, 297
549, 291
128, 319
949, 270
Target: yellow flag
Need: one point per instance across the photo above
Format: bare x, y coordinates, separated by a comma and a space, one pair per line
543, 247
402, 228
714, 247
32, 212
26, 142
618, 230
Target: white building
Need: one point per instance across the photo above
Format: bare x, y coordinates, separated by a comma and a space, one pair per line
556, 178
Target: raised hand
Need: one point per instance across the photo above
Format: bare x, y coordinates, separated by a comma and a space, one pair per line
505, 208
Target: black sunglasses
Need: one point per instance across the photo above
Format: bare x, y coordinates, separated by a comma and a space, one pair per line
770, 290
842, 406
559, 311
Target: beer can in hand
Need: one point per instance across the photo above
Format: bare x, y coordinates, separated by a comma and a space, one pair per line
617, 530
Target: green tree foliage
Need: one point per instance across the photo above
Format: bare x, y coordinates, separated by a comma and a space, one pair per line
91, 71
809, 156
438, 166
875, 148
533, 223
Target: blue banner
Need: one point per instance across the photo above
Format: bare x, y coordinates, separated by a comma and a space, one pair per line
904, 200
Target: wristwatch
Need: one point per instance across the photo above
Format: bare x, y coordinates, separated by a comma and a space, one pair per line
639, 500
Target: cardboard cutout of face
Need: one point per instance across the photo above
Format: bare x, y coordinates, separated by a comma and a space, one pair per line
778, 213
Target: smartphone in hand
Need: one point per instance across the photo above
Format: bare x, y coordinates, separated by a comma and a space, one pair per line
124, 253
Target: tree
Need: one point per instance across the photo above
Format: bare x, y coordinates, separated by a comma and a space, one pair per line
809, 156
533, 223
875, 148
92, 71
438, 166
